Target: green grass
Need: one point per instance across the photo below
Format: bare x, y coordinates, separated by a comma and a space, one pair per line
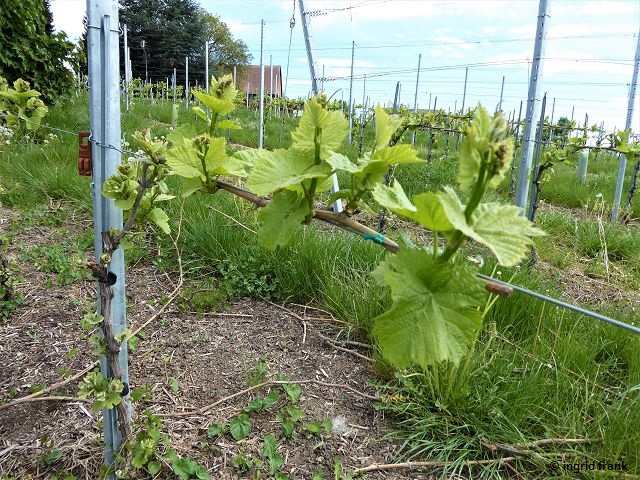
536, 371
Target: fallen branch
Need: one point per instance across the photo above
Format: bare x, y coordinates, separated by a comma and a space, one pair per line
424, 465
34, 396
335, 345
557, 441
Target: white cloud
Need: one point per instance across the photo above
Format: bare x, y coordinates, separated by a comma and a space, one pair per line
67, 17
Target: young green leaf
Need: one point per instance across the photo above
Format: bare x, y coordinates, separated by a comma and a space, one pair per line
499, 227
434, 314
216, 105
504, 231
153, 467
216, 430
281, 218
239, 427
293, 391
160, 218
278, 169
332, 128
385, 127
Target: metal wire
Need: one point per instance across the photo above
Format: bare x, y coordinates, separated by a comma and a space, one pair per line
568, 306
90, 139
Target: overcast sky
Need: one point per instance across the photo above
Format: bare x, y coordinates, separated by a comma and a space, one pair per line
588, 63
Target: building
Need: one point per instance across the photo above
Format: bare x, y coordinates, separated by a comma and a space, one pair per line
248, 80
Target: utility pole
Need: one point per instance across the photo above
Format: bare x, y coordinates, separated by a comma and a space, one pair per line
308, 44
533, 108
261, 117
622, 165
415, 98
104, 114
353, 47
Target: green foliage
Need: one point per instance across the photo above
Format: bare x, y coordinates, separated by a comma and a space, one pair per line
239, 427
186, 468
434, 315
29, 52
20, 108
105, 393
10, 300
65, 261
262, 403
139, 183
145, 450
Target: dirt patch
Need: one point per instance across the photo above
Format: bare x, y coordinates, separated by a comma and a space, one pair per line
187, 361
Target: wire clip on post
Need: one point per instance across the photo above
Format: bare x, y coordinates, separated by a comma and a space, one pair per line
85, 165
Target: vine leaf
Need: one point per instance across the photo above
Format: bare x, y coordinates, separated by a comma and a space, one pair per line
333, 130
434, 315
504, 231
398, 154
221, 106
274, 170
281, 218
217, 161
427, 210
499, 227
160, 218
184, 161
385, 127
230, 124
178, 135
394, 199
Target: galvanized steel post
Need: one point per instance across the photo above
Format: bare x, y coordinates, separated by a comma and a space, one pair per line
533, 106
622, 166
104, 111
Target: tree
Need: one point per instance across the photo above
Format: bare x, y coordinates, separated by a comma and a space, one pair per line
224, 50
27, 51
48, 26
162, 33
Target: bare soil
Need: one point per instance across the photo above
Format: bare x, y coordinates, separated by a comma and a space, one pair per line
211, 356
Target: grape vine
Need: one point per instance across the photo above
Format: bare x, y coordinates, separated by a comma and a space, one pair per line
435, 313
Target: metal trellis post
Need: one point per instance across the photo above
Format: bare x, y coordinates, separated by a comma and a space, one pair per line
622, 166
353, 47
533, 106
127, 100
261, 116
415, 98
337, 205
186, 81
206, 66
104, 110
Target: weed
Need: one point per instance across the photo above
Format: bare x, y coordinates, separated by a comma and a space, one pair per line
68, 266
258, 374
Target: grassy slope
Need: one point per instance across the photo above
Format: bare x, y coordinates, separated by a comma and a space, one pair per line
540, 373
